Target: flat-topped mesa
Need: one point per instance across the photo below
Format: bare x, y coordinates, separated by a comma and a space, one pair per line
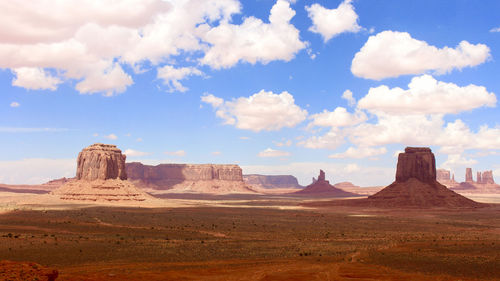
101, 162
418, 163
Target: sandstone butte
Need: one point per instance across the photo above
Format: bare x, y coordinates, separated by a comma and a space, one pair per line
195, 178
100, 176
415, 186
322, 187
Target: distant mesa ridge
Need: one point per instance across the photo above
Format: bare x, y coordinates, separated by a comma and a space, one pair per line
272, 181
196, 178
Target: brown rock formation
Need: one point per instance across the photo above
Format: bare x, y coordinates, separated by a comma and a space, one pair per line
442, 175
478, 178
199, 178
418, 163
101, 162
100, 175
468, 175
487, 177
274, 181
322, 188
415, 186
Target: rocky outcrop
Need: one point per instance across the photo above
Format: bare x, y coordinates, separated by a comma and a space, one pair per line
101, 162
415, 186
418, 163
275, 181
322, 188
100, 176
199, 178
442, 175
468, 175
487, 177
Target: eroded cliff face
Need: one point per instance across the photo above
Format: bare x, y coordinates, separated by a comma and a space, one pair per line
418, 163
100, 176
101, 162
272, 181
202, 178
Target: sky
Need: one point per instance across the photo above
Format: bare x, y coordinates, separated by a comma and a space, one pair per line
275, 86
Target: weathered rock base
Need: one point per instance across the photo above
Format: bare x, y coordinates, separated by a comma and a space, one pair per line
100, 190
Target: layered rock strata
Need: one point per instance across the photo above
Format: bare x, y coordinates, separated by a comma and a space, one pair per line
274, 181
468, 175
416, 185
198, 178
100, 176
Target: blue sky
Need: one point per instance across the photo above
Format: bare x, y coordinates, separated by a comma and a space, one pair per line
279, 87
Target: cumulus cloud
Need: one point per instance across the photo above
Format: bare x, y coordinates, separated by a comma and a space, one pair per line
347, 95
171, 76
457, 160
262, 111
36, 170
14, 104
135, 153
179, 153
269, 152
496, 29
254, 41
391, 54
47, 44
360, 152
339, 117
34, 78
415, 116
332, 22
111, 137
426, 95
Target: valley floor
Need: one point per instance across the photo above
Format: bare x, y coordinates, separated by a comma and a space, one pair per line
254, 241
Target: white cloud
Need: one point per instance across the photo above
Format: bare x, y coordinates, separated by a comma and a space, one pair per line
426, 95
179, 153
392, 53
347, 95
254, 41
110, 82
352, 168
36, 170
171, 76
63, 41
411, 117
332, 22
360, 152
337, 118
111, 137
283, 143
454, 161
135, 153
269, 152
212, 100
496, 29
261, 111
138, 140
216, 153
34, 78
14, 104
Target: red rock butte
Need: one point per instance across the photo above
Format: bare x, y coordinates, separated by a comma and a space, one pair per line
416, 184
321, 187
100, 176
